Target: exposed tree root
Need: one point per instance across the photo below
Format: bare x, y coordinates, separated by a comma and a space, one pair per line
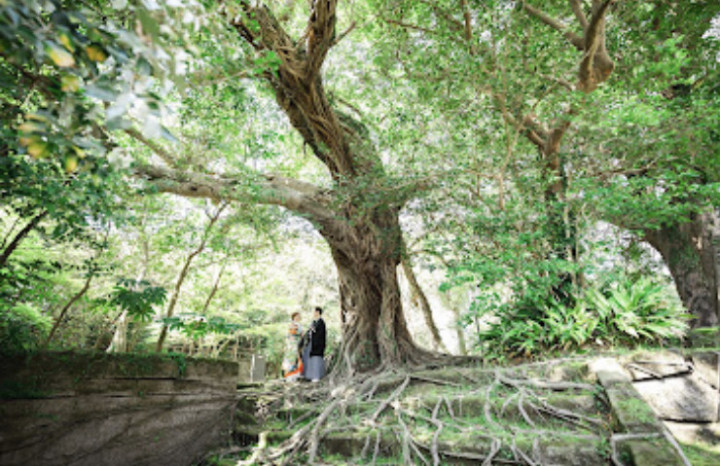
377, 447
435, 381
439, 425
390, 399
676, 446
488, 408
257, 453
315, 435
408, 442
376, 415
519, 454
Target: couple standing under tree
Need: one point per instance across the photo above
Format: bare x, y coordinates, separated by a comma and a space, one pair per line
304, 352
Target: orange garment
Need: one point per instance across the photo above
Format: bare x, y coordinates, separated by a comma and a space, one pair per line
297, 371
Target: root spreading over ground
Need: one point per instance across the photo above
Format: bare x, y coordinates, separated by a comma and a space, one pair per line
549, 413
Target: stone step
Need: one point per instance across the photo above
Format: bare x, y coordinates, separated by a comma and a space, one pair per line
585, 450
641, 440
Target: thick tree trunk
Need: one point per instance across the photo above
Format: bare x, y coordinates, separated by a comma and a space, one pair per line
691, 251
374, 330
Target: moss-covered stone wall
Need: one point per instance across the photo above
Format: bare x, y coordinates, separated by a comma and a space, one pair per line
101, 409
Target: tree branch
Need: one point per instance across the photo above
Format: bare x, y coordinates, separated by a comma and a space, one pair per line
468, 20
20, 236
596, 65
297, 81
577, 9
454, 24
567, 85
536, 135
410, 26
344, 34
67, 307
183, 274
320, 36
297, 196
573, 38
153, 146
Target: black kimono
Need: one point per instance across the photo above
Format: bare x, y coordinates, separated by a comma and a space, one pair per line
313, 362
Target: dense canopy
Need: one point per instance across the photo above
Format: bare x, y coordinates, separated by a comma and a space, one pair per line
523, 175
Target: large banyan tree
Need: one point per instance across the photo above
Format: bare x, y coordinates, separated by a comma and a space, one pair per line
357, 217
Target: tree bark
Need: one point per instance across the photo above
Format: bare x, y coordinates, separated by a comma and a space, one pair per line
374, 330
20, 236
691, 250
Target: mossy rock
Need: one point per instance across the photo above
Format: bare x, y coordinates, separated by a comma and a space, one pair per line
349, 445
563, 371
42, 374
631, 413
648, 452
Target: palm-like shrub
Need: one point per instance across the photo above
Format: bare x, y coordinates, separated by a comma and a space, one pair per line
643, 310
626, 313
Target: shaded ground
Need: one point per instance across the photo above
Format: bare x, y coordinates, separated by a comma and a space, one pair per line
565, 412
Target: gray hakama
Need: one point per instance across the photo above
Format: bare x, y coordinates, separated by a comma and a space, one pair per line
315, 368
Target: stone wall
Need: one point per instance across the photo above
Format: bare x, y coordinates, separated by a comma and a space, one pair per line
99, 409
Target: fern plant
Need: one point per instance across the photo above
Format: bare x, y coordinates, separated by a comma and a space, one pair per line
625, 313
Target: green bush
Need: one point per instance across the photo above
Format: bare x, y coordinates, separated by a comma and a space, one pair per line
624, 314
22, 328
